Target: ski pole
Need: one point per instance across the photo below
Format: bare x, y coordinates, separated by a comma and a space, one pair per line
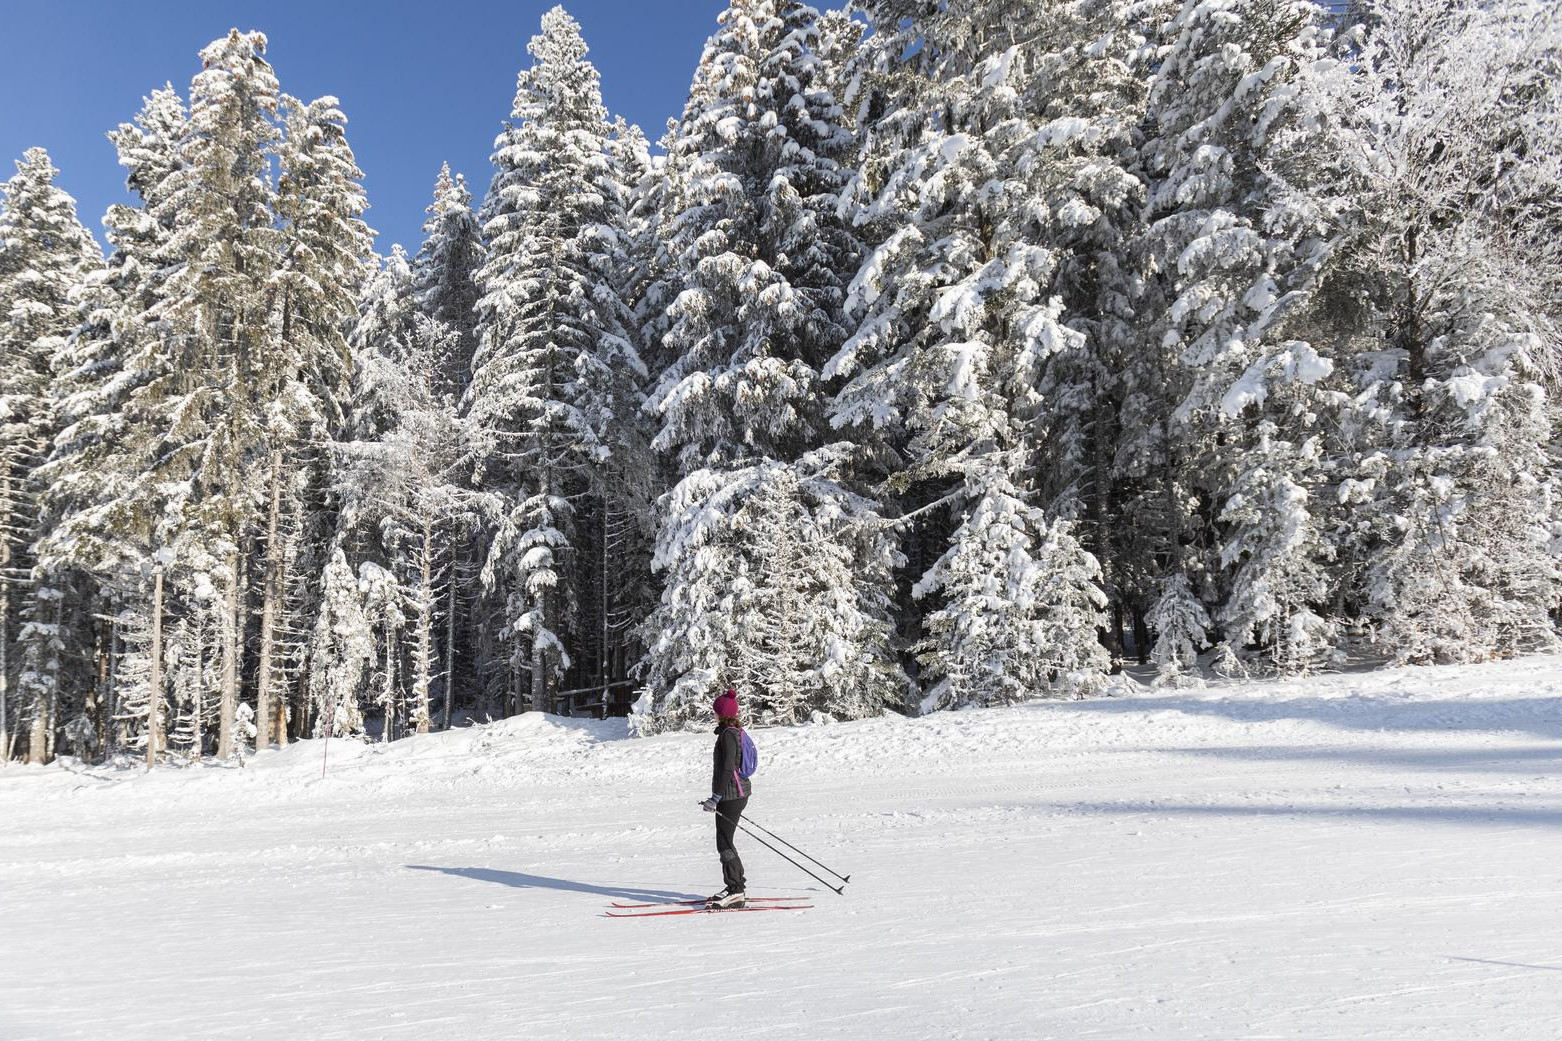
837, 890
794, 849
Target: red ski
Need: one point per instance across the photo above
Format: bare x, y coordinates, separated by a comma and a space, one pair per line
701, 900
705, 910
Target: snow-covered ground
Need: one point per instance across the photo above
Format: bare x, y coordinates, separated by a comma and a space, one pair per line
1373, 855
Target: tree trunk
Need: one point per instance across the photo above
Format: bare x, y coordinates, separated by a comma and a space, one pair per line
607, 629
101, 714
6, 739
41, 721
1120, 646
229, 706
41, 724
425, 629
1141, 637
154, 723
198, 728
539, 693
280, 692
539, 684
111, 695
270, 602
450, 628
241, 615
390, 683
1410, 332
5, 643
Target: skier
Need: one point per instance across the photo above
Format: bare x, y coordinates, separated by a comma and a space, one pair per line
729, 798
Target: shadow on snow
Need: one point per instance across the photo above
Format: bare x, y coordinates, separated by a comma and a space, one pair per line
1541, 717
520, 880
1536, 760
1452, 814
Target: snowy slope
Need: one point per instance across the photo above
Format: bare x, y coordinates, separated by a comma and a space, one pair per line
1372, 855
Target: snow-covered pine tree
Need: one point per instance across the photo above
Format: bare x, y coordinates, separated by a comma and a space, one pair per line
445, 275
654, 200
755, 269
778, 583
325, 256
640, 175
383, 348
73, 478
325, 248
1222, 399
199, 585
208, 411
1181, 625
131, 697
382, 610
1435, 183
341, 651
44, 253
555, 366
1018, 610
397, 477
621, 591
1277, 556
994, 185
94, 466
189, 666
760, 256
1085, 94
99, 509
446, 291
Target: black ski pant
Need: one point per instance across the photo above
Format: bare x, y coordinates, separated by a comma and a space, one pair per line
728, 813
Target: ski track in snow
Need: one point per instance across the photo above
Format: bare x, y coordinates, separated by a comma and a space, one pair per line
1359, 856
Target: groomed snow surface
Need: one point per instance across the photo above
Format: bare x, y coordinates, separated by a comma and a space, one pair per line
1370, 855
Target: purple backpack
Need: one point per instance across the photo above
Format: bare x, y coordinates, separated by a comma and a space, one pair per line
748, 757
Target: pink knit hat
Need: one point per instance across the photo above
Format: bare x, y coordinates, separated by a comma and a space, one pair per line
726, 706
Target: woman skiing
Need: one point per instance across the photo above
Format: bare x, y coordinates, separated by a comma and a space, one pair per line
729, 797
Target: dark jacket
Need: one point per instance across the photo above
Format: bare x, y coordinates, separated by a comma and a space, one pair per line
725, 782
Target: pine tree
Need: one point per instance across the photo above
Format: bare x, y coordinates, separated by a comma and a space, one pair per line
46, 253
1224, 398
778, 581
95, 510
445, 290
1277, 556
996, 188
1431, 187
94, 465
445, 275
754, 271
382, 609
207, 411
325, 247
398, 476
760, 255
340, 653
556, 367
1181, 625
1018, 611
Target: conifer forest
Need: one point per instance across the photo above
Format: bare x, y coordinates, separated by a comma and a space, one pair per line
935, 355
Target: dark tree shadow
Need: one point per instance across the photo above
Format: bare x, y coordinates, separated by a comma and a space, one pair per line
1505, 815
520, 880
1541, 717
1526, 759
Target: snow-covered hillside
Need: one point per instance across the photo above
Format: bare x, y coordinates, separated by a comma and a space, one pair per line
1357, 856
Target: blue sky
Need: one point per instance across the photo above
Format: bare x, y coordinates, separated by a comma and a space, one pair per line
421, 82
